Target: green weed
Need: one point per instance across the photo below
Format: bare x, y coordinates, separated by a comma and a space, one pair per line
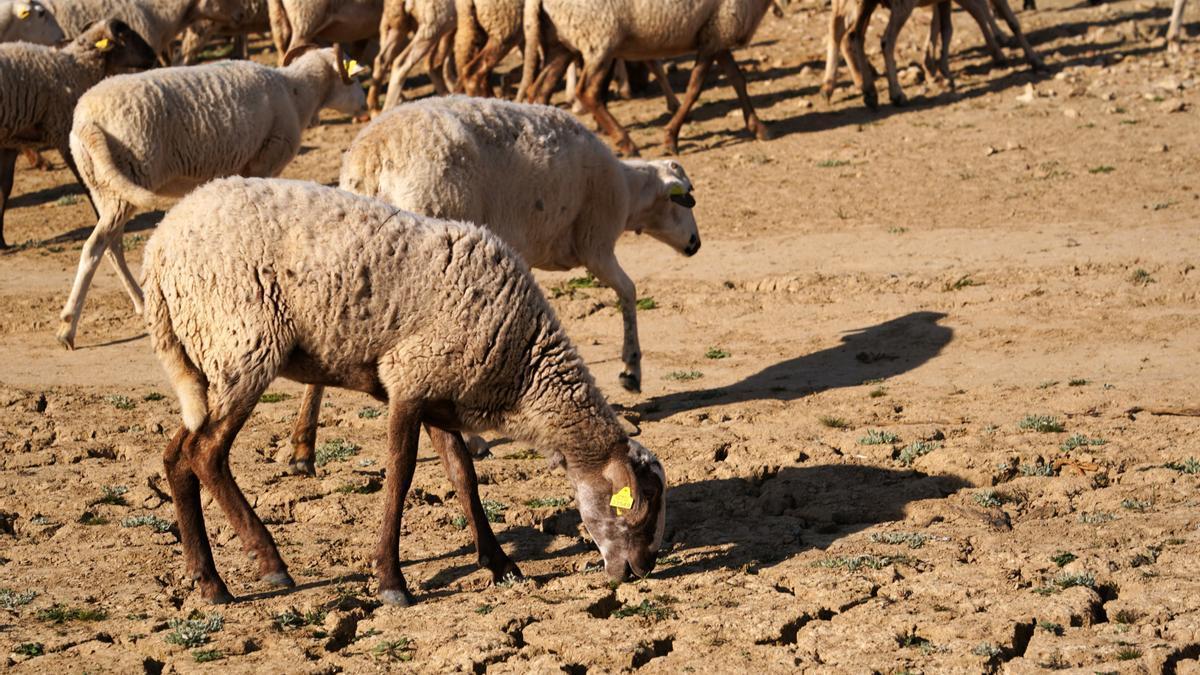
336, 450
1041, 423
878, 437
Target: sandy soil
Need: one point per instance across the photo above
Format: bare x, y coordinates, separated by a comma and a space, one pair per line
939, 273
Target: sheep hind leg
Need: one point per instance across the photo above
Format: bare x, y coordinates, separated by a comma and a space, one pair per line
209, 460
185, 494
304, 433
901, 10
695, 85
8, 170
1031, 56
389, 51
946, 27
417, 50
111, 223
116, 257
456, 460
593, 81
608, 271
664, 84
404, 423
738, 80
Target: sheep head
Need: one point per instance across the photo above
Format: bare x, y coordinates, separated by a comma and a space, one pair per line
663, 210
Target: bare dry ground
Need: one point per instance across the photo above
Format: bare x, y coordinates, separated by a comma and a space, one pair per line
895, 394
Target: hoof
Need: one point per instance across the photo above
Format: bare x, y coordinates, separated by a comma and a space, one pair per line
66, 336
871, 98
280, 579
397, 597
220, 596
899, 100
630, 382
763, 132
301, 467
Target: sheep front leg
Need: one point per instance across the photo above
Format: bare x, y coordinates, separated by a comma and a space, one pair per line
734, 74
591, 92
304, 434
860, 68
695, 85
185, 494
8, 170
417, 50
946, 25
111, 223
899, 16
404, 423
987, 27
1174, 31
1010, 18
609, 272
837, 31
389, 50
456, 460
664, 84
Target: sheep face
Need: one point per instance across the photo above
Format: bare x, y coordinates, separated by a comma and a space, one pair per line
624, 509
669, 217
28, 22
347, 95
118, 45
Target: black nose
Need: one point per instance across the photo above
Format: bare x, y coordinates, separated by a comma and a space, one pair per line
693, 246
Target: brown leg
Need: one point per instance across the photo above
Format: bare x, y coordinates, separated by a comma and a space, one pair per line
543, 87
753, 124
591, 92
208, 454
862, 68
461, 470
304, 434
185, 492
8, 170
404, 424
695, 84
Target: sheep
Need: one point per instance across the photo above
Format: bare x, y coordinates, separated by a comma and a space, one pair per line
39, 86
254, 19
499, 21
639, 30
28, 21
164, 132
859, 14
1175, 32
533, 175
157, 21
250, 279
432, 23
299, 24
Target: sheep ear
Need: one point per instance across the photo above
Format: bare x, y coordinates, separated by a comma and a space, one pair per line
104, 45
354, 69
680, 193
296, 52
625, 500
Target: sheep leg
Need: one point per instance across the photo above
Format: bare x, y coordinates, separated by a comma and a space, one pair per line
543, 86
591, 92
8, 170
36, 160
456, 460
979, 12
695, 84
185, 493
209, 460
437, 57
859, 66
837, 31
608, 271
116, 256
389, 51
660, 76
304, 433
476, 73
734, 74
420, 47
1010, 18
275, 153
946, 27
404, 423
1174, 30
110, 224
928, 62
899, 16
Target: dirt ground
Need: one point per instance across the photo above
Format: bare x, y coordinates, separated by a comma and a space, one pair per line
897, 395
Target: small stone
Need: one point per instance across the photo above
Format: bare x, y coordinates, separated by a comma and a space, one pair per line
1161, 147
1173, 106
1029, 96
1071, 113
804, 103
990, 151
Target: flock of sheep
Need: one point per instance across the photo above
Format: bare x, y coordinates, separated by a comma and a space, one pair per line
383, 286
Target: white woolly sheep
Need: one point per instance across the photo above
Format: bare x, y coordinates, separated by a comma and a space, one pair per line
254, 19
164, 132
28, 21
39, 86
638, 30
249, 279
299, 24
157, 21
432, 23
533, 175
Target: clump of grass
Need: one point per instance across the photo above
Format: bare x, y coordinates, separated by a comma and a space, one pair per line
369, 413
1063, 558
916, 449
1077, 382
459, 522
89, 518
716, 353
1096, 517
527, 453
911, 539
366, 488
59, 613
832, 163
546, 502
990, 499
1129, 654
10, 599
911, 640
987, 649
494, 510
858, 562
1189, 466
646, 303
113, 494
833, 422
30, 649
207, 655
1047, 384
336, 450
683, 375
67, 200
121, 402
148, 520
394, 650
273, 397
877, 392
1045, 424
1136, 504
1050, 627
879, 437
1066, 580
484, 610
153, 396
965, 281
669, 560
291, 618
1080, 441
1038, 468
1125, 616
1141, 277
656, 611
194, 631
1103, 168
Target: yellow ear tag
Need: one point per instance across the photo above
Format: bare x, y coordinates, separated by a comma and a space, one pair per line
23, 11
623, 500
104, 44
678, 190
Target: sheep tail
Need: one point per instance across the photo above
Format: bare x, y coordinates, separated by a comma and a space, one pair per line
533, 44
191, 387
88, 139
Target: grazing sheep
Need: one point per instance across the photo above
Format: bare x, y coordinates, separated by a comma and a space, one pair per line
299, 24
496, 24
254, 19
28, 21
533, 175
39, 86
250, 279
164, 132
432, 23
1175, 33
638, 30
157, 21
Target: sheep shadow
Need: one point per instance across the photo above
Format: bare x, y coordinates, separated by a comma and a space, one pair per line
884, 350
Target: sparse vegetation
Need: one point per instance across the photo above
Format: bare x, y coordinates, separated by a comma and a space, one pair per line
989, 499
1189, 466
1077, 382
494, 510
1041, 423
654, 610
121, 402
273, 397
916, 449
10, 599
833, 422
193, 631
832, 163
987, 649
153, 396
1063, 558
29, 649
1070, 580
148, 520
336, 450
1038, 468
1096, 517
716, 353
59, 613
112, 494
484, 610
207, 655
965, 281
546, 502
291, 618
569, 286
369, 413
911, 539
879, 437
1129, 654
1136, 504
877, 392
683, 375
1050, 627
859, 562
1080, 441
1103, 168
459, 522
1141, 277
646, 303
394, 650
